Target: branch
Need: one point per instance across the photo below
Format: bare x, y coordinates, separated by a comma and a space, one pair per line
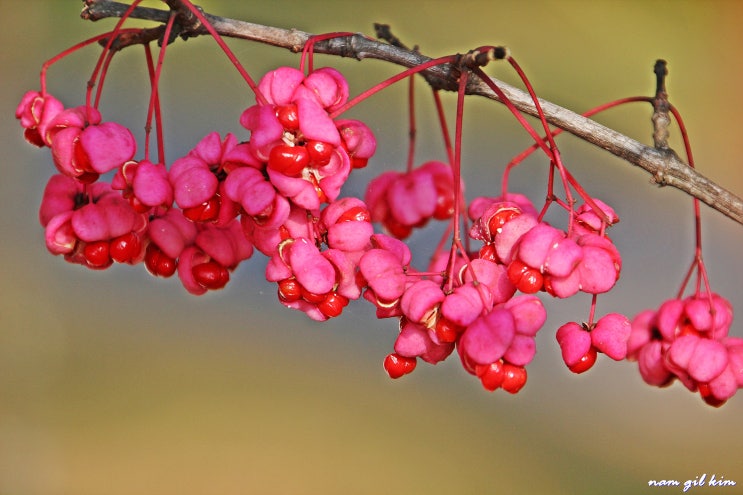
665, 167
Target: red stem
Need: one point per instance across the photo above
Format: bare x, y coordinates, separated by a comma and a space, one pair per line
388, 82
154, 105
226, 49
105, 53
308, 51
444, 126
457, 173
413, 130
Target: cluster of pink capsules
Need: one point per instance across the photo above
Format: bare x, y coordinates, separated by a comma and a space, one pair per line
278, 190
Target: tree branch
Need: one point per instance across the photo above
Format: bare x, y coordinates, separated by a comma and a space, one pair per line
662, 164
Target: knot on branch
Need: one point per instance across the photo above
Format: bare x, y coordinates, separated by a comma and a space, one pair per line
661, 106
186, 24
482, 56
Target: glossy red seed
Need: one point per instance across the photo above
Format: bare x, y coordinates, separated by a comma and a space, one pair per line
211, 275
97, 254
359, 162
446, 331
288, 117
586, 362
158, 263
289, 290
332, 305
319, 152
355, 214
82, 162
492, 375
125, 248
396, 365
288, 160
444, 200
137, 205
515, 378
488, 253
207, 211
311, 297
526, 279
500, 218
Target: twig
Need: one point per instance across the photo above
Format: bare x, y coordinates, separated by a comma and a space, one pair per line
662, 164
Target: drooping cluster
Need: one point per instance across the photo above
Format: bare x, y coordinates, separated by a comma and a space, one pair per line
278, 189
200, 216
540, 257
404, 201
687, 340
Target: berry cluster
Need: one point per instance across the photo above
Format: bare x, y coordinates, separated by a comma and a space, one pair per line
278, 191
403, 201
687, 339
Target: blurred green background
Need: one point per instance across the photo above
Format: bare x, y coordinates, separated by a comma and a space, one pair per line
116, 383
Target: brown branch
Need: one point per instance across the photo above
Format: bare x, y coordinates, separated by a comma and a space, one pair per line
661, 163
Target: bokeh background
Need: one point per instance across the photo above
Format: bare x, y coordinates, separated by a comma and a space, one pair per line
116, 383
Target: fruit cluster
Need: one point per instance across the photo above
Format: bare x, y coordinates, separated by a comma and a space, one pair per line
687, 339
278, 190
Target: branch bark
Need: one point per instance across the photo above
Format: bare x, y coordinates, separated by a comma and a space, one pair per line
664, 166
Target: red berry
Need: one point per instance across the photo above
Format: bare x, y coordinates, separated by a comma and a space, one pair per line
311, 297
396, 365
355, 214
526, 279
492, 375
205, 212
319, 152
487, 252
82, 162
357, 162
158, 263
585, 362
446, 331
97, 254
514, 379
288, 117
288, 160
289, 290
136, 204
125, 247
332, 305
211, 275
444, 200
500, 217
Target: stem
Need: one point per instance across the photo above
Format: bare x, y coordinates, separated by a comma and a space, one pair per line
106, 52
457, 173
412, 130
387, 83
444, 126
154, 105
230, 55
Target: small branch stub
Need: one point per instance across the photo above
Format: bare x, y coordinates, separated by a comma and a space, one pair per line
660, 118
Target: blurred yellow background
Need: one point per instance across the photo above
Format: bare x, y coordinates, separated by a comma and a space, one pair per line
117, 383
